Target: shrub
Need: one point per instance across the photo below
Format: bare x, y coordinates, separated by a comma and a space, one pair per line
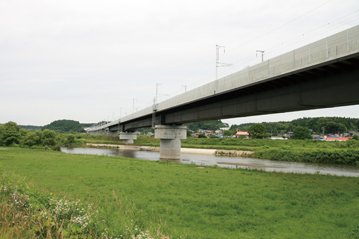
49, 138
46, 138
10, 134
257, 131
344, 157
38, 215
300, 132
33, 138
69, 141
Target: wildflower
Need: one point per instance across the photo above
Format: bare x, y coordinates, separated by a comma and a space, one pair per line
142, 235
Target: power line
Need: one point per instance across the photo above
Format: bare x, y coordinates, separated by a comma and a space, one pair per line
332, 28
323, 30
265, 34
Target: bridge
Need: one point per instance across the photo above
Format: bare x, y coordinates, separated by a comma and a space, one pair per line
319, 75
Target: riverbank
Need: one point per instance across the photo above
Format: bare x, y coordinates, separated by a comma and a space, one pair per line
186, 201
211, 160
216, 152
340, 153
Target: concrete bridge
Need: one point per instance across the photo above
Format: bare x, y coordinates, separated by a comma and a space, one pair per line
319, 75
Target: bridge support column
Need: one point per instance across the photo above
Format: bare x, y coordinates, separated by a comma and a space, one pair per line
128, 137
170, 140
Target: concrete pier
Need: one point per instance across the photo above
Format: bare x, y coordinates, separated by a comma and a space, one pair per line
128, 137
170, 140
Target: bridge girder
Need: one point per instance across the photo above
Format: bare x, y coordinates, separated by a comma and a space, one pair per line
333, 84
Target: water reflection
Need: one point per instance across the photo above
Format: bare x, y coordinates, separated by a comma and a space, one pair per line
227, 162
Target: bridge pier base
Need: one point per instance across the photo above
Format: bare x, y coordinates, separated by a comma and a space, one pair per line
170, 140
128, 137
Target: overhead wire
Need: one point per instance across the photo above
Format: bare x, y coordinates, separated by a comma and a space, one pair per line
294, 40
322, 30
265, 34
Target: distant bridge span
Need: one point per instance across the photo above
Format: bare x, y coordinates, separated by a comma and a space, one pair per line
319, 75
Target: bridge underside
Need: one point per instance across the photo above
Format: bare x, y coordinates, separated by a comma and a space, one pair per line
333, 84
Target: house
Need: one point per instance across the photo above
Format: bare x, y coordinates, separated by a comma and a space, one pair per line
242, 134
336, 138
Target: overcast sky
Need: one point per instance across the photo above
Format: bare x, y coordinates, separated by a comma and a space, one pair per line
89, 60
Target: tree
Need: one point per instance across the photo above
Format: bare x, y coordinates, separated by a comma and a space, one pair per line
207, 125
245, 126
69, 141
48, 138
257, 131
300, 132
1, 135
334, 127
33, 138
10, 134
328, 124
229, 132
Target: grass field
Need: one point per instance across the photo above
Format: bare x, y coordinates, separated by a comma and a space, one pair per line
185, 201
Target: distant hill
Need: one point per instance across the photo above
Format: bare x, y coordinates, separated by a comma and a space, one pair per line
65, 126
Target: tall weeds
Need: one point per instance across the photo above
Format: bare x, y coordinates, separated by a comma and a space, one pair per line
25, 213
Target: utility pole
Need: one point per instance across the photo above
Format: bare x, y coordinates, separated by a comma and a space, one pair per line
218, 63
156, 97
260, 52
185, 88
155, 106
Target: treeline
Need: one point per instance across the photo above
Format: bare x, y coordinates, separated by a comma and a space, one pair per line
12, 134
206, 125
64, 126
328, 125
319, 125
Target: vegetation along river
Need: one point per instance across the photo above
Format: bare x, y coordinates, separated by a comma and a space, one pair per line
226, 162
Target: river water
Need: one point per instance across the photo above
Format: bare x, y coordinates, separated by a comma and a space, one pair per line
227, 162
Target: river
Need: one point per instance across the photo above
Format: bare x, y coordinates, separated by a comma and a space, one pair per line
227, 162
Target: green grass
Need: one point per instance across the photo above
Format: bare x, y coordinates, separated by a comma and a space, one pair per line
194, 202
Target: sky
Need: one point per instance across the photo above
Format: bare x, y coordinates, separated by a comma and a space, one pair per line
92, 60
